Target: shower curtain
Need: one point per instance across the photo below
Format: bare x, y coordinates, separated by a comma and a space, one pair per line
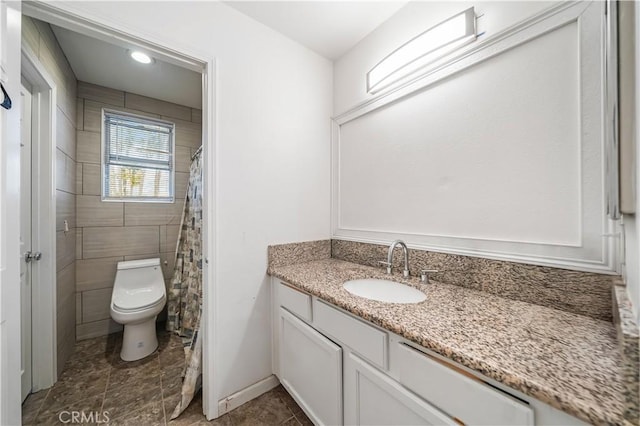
185, 295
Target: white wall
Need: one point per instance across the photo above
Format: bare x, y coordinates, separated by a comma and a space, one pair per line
273, 108
411, 20
631, 225
498, 154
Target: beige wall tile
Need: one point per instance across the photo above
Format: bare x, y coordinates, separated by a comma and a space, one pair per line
142, 256
78, 178
119, 241
142, 103
65, 285
94, 274
65, 313
65, 172
183, 158
93, 114
196, 115
182, 181
168, 262
187, 133
78, 308
91, 211
30, 35
91, 179
97, 328
65, 210
79, 114
102, 94
65, 332
78, 243
65, 134
153, 213
65, 249
95, 305
169, 238
88, 147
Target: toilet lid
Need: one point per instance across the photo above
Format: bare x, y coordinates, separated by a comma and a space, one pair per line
138, 299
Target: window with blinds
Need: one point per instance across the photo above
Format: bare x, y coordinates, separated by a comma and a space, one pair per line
137, 158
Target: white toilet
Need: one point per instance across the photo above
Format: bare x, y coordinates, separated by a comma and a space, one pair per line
138, 297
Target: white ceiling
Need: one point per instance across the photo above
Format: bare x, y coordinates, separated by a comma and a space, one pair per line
330, 28
105, 64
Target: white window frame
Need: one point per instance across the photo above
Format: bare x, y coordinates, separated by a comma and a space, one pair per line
103, 160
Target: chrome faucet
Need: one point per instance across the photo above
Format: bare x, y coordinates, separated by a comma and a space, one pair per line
389, 261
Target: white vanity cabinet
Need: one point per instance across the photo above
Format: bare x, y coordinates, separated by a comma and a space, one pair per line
343, 370
311, 369
373, 398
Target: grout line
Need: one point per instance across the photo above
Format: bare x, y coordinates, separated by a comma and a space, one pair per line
41, 405
287, 419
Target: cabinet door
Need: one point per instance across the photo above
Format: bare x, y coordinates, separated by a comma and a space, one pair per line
311, 370
372, 398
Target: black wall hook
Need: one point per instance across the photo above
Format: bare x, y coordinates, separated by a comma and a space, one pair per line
6, 104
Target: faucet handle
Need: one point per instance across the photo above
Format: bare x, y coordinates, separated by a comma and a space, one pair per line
424, 275
387, 264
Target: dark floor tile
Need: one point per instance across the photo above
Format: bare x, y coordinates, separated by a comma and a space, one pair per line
220, 421
79, 364
102, 344
172, 356
171, 388
89, 407
129, 373
126, 398
31, 406
70, 388
149, 415
302, 418
291, 422
192, 414
267, 409
288, 400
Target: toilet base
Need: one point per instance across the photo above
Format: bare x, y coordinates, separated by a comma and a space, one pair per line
139, 340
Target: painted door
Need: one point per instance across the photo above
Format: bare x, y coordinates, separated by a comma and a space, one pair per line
10, 14
25, 241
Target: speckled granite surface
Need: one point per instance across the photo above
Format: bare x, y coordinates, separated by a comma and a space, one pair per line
569, 361
287, 254
629, 342
581, 293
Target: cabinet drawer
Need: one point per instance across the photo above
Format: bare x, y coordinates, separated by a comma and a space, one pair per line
295, 301
362, 338
458, 393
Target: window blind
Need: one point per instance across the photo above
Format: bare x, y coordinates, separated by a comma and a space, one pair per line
138, 158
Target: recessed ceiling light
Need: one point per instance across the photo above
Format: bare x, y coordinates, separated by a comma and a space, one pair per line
141, 57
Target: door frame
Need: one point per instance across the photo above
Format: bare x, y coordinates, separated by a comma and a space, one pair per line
200, 62
43, 207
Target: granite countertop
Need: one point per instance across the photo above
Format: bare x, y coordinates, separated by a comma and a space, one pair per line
569, 361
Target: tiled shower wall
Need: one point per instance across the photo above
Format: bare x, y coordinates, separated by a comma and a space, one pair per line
38, 38
109, 232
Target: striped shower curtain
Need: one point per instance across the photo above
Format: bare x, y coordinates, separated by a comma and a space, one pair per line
185, 294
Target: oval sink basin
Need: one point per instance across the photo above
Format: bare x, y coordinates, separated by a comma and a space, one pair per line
384, 291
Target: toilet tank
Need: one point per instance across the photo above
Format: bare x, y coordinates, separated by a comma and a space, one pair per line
139, 274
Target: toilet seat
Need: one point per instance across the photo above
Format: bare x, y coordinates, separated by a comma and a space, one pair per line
137, 299
150, 305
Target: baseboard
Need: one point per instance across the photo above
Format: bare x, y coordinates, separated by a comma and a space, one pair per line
247, 394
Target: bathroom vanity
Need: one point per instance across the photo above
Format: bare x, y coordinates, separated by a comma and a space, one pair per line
459, 357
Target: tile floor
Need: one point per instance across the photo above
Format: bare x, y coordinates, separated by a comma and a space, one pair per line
143, 392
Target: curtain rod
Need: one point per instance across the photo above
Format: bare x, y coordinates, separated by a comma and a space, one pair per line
195, 154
